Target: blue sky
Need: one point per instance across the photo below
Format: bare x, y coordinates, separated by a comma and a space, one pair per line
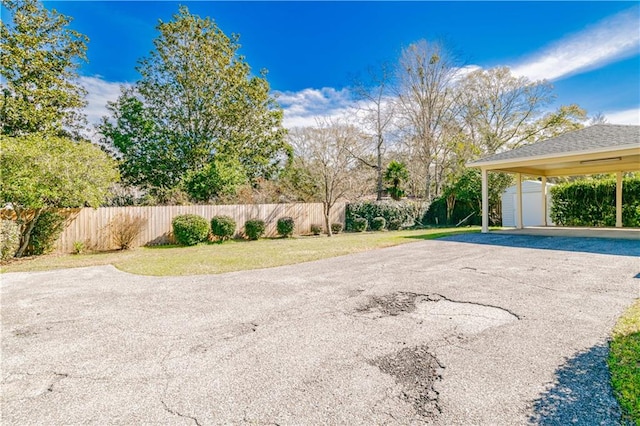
589, 50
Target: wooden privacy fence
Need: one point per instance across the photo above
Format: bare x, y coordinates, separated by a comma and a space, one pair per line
92, 226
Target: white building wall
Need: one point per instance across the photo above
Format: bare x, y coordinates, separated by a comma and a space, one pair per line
531, 204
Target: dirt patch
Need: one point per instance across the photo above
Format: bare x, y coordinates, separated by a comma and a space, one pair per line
416, 370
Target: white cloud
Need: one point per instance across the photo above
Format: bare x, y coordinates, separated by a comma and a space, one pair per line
629, 116
303, 108
609, 40
99, 93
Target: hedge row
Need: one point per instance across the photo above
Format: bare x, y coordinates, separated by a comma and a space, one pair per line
396, 214
191, 229
593, 203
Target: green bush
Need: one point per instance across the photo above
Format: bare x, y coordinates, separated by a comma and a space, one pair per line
316, 229
378, 223
78, 247
336, 228
394, 225
46, 231
360, 224
285, 226
190, 229
462, 199
10, 234
254, 228
408, 213
223, 227
593, 203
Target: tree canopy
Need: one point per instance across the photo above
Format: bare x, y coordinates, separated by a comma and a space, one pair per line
196, 101
39, 62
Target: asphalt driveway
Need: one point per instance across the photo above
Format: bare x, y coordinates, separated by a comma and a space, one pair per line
474, 329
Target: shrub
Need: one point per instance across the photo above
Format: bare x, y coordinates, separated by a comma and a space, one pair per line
124, 229
378, 223
360, 224
462, 199
46, 231
254, 228
316, 229
336, 228
190, 229
593, 203
10, 234
285, 226
223, 227
394, 225
409, 213
78, 247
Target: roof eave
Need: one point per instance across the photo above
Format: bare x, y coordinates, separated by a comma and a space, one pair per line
563, 156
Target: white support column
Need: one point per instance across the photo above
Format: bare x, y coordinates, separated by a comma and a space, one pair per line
519, 200
619, 200
485, 201
544, 200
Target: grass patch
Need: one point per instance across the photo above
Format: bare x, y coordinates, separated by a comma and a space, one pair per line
234, 255
624, 363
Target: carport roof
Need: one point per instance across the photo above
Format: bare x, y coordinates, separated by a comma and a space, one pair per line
596, 149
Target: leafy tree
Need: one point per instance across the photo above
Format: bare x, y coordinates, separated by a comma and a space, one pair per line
196, 101
41, 172
463, 196
396, 175
39, 61
215, 179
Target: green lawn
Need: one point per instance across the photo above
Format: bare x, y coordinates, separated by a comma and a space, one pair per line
234, 255
624, 363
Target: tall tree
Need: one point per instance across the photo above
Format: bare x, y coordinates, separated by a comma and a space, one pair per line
377, 107
196, 100
427, 102
500, 109
39, 62
324, 167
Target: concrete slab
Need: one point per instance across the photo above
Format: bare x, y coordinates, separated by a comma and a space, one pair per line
473, 329
574, 232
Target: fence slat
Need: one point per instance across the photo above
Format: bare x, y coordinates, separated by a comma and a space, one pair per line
91, 226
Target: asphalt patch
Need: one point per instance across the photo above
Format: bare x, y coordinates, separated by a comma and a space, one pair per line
416, 370
392, 304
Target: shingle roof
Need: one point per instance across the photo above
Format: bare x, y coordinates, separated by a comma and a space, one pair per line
586, 139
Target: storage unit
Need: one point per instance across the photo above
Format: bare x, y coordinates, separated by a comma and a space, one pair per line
531, 204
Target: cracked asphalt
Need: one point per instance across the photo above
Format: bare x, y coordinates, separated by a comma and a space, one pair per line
473, 329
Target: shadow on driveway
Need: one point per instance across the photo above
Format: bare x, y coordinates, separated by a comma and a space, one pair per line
581, 394
577, 244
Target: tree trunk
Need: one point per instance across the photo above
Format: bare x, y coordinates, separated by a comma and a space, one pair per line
327, 212
26, 232
451, 203
427, 192
379, 170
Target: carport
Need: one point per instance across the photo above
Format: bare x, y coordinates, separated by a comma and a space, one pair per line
602, 148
